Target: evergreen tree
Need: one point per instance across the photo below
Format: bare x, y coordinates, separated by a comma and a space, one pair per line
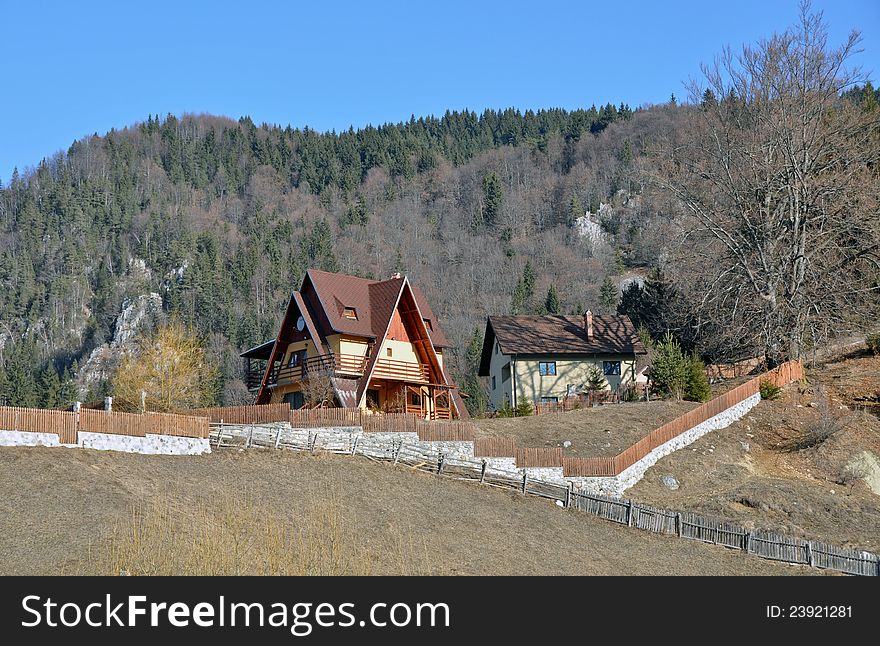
493, 198
669, 368
524, 290
608, 296
50, 387
575, 210
595, 379
477, 399
551, 302
696, 387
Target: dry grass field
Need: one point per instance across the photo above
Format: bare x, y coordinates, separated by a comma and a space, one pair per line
273, 512
593, 432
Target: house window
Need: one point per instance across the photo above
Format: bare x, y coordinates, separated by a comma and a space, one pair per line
428, 325
389, 352
297, 358
497, 347
372, 399
505, 372
547, 368
350, 313
611, 368
493, 382
415, 400
549, 400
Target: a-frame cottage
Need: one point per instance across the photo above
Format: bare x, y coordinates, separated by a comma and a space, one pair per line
375, 342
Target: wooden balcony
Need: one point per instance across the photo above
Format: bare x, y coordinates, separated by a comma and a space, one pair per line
401, 371
342, 365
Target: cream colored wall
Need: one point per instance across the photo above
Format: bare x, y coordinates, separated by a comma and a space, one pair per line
352, 345
503, 392
532, 385
400, 351
300, 345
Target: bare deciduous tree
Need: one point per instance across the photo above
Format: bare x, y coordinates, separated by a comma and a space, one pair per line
777, 174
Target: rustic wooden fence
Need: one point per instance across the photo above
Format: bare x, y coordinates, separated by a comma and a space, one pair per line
685, 525
37, 420
66, 424
599, 467
429, 431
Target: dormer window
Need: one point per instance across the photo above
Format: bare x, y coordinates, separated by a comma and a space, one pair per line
350, 313
428, 325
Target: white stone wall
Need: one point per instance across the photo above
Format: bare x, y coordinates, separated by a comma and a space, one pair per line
546, 474
149, 444
452, 449
26, 438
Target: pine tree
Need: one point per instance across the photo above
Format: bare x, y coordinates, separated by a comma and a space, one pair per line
697, 384
608, 296
669, 368
595, 379
575, 210
551, 302
477, 400
493, 198
50, 387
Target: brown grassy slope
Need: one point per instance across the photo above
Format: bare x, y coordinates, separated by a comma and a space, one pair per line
749, 472
593, 432
60, 507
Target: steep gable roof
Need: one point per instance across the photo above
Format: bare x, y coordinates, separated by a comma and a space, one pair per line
373, 300
558, 334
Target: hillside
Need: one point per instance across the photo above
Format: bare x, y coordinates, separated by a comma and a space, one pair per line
75, 512
758, 472
220, 219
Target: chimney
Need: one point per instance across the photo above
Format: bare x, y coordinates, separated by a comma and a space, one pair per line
588, 325
396, 275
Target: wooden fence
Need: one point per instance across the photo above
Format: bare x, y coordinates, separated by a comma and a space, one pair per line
66, 424
429, 431
494, 447
685, 525
599, 467
36, 420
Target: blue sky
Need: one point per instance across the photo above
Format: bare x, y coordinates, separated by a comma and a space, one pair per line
74, 68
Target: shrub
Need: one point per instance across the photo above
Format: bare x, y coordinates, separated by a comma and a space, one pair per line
822, 427
524, 408
595, 379
769, 390
696, 387
505, 411
873, 343
669, 369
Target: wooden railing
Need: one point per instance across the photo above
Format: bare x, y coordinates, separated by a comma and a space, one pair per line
341, 364
401, 371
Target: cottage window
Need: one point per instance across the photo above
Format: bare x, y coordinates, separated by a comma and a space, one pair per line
505, 372
611, 368
493, 382
547, 368
389, 352
428, 324
350, 313
549, 400
415, 400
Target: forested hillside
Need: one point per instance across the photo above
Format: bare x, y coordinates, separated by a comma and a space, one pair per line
222, 219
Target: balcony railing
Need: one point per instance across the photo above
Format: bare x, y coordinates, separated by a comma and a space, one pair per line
401, 371
346, 365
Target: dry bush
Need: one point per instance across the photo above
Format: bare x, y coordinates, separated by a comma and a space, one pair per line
318, 389
824, 425
238, 537
170, 368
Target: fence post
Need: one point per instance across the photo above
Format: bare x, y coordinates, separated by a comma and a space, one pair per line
483, 472
441, 457
250, 438
525, 481
747, 543
568, 496
354, 445
678, 524
809, 549
629, 513
277, 437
